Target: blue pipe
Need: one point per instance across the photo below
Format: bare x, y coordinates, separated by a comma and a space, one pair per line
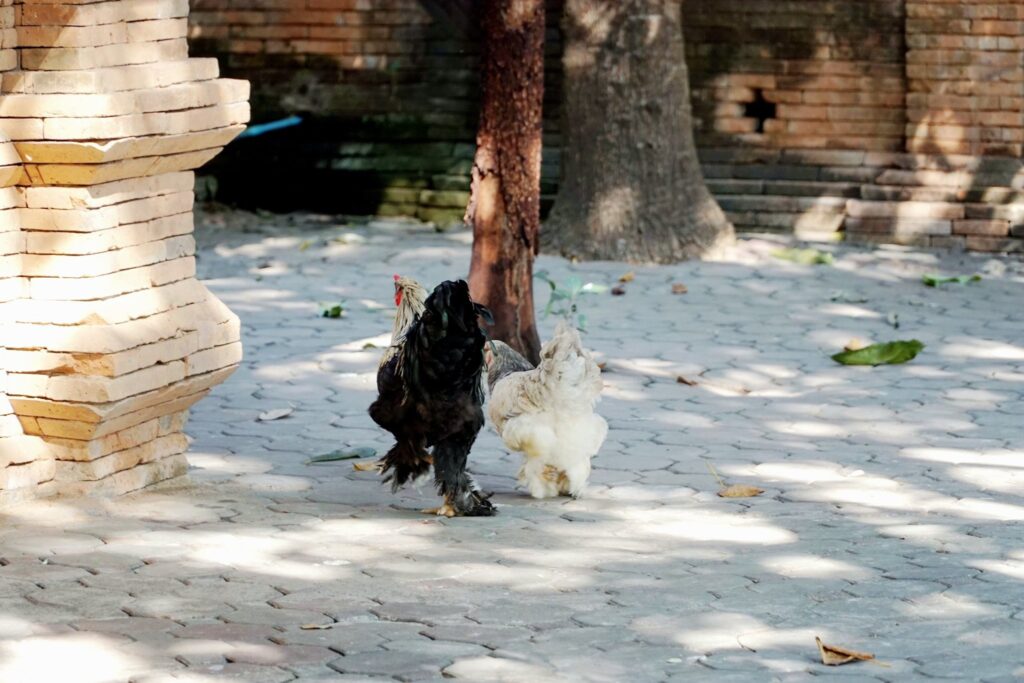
261, 128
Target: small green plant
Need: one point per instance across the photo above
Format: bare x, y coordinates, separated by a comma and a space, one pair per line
332, 309
564, 299
936, 280
805, 257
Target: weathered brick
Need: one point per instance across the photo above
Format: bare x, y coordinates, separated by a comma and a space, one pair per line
866, 209
994, 244
898, 226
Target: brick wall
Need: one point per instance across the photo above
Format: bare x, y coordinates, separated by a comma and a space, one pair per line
387, 92
869, 120
876, 121
829, 73
965, 78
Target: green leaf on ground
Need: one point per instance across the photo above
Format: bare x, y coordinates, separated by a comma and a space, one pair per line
888, 353
936, 280
806, 257
839, 296
334, 310
344, 454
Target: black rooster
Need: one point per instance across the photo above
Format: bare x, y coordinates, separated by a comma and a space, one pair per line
431, 395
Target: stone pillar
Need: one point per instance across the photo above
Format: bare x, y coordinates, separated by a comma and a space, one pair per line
965, 78
109, 337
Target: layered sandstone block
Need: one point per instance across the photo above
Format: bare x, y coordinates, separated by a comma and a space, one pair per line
108, 337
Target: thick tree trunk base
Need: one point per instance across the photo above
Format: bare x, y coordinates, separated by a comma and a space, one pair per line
701, 231
632, 187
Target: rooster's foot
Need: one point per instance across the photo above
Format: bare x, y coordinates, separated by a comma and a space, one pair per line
368, 466
482, 506
445, 510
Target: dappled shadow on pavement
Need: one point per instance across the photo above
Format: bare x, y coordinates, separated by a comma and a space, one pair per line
890, 522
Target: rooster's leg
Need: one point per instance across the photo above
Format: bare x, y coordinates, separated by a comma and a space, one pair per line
369, 466
453, 482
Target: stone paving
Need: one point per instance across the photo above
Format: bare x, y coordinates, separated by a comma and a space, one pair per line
891, 520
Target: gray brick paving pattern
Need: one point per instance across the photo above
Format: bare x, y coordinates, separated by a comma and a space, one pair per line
891, 520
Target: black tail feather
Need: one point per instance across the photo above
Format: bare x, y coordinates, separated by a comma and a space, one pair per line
405, 461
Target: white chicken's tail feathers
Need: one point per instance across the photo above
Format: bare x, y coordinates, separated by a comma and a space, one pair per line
570, 370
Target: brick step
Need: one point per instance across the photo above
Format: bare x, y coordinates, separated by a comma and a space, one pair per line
782, 204
988, 227
983, 165
801, 223
975, 195
897, 225
994, 196
792, 188
953, 179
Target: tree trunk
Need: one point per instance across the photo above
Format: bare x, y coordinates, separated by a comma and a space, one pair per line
632, 188
504, 208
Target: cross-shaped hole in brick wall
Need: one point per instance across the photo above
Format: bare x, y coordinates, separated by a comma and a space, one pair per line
759, 109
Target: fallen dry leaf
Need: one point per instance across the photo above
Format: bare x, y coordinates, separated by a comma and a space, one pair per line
832, 655
627, 277
618, 290
736, 490
277, 414
318, 627
686, 380
740, 491
679, 288
855, 344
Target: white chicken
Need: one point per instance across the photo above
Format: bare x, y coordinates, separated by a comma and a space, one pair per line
547, 413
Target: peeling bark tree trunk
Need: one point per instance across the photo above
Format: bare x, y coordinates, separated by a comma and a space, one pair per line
504, 208
632, 188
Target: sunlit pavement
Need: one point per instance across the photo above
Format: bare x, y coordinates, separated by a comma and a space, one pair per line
892, 518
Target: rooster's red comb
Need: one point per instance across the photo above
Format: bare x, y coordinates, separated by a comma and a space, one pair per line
397, 277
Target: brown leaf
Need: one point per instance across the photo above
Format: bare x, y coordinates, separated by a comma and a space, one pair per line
686, 380
618, 290
833, 655
627, 277
318, 627
740, 491
679, 288
602, 366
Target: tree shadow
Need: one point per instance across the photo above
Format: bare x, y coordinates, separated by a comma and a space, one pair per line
886, 523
